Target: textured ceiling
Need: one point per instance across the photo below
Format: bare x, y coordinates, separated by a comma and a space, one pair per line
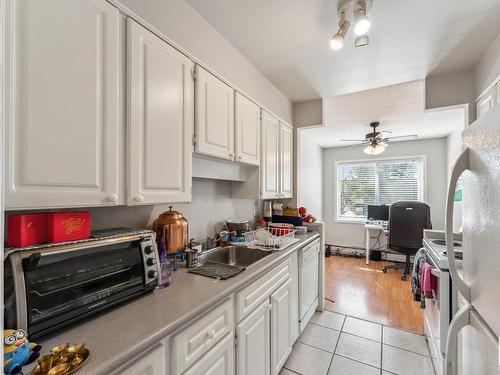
287, 40
399, 108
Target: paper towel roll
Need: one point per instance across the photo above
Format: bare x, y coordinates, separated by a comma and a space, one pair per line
277, 206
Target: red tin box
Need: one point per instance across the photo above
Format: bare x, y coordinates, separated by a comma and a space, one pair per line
68, 226
26, 229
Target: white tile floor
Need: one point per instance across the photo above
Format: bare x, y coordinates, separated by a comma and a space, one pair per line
334, 344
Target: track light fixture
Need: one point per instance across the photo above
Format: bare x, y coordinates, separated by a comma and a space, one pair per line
352, 12
337, 41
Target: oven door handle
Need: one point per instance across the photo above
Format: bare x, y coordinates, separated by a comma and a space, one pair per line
462, 164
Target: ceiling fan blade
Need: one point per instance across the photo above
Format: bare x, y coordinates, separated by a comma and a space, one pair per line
409, 136
352, 140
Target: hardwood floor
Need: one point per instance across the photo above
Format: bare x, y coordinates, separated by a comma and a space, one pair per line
366, 292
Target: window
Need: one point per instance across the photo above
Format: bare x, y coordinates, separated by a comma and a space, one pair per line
363, 183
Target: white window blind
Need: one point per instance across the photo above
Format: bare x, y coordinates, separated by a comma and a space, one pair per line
360, 184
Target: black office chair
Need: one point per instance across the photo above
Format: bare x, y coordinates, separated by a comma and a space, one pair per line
407, 221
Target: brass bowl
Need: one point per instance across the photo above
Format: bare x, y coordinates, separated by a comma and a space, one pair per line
77, 360
45, 362
60, 369
76, 348
61, 348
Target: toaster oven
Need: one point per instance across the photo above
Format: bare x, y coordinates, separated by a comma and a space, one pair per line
51, 286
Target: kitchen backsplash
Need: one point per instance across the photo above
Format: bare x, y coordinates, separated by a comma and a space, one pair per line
211, 204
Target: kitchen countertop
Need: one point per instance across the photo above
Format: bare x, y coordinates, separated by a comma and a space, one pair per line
116, 336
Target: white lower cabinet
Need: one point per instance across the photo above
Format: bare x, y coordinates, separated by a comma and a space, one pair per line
218, 361
253, 350
266, 334
150, 363
281, 326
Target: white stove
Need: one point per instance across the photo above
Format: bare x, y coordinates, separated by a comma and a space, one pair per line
441, 306
436, 247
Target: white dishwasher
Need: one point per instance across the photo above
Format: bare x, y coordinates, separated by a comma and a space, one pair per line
308, 258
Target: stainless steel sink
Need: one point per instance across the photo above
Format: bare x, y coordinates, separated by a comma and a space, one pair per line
234, 255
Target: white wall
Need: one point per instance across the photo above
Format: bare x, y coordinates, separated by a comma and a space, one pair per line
346, 234
488, 68
184, 26
308, 113
453, 150
210, 206
309, 177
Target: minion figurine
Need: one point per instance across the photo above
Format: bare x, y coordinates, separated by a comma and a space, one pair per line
17, 350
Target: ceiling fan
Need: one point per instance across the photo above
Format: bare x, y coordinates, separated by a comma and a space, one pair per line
377, 141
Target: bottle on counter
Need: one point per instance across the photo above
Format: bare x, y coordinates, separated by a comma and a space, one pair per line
268, 212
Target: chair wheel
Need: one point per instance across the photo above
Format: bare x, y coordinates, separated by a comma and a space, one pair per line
384, 270
403, 278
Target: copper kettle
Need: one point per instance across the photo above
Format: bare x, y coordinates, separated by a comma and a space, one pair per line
171, 230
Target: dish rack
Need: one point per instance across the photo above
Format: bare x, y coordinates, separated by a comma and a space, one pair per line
270, 239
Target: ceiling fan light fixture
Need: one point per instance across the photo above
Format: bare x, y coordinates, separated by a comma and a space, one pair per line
375, 149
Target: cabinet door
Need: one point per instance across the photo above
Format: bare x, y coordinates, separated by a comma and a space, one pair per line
281, 324
214, 116
253, 351
160, 120
218, 361
486, 103
152, 363
62, 103
286, 161
270, 156
247, 130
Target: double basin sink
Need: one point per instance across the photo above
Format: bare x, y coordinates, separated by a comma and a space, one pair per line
233, 255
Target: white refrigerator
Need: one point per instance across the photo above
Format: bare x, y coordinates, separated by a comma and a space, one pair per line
472, 343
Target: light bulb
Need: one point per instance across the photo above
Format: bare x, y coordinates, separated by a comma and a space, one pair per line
337, 41
361, 23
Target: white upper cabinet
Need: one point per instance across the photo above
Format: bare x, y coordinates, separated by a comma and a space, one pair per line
488, 100
286, 161
247, 130
214, 119
62, 107
270, 156
160, 120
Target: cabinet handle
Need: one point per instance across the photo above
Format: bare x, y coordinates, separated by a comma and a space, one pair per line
113, 198
239, 157
231, 156
211, 334
139, 198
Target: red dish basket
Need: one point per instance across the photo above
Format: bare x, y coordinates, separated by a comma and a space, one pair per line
68, 226
26, 229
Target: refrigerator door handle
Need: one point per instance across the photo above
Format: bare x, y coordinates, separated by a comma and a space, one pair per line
460, 166
459, 321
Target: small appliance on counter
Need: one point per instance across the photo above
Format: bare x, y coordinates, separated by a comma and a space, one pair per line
50, 286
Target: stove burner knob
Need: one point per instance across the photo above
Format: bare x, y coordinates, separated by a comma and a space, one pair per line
148, 249
151, 261
152, 274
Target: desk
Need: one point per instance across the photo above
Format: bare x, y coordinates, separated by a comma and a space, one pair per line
368, 229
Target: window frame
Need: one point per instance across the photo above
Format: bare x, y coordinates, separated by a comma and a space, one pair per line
336, 192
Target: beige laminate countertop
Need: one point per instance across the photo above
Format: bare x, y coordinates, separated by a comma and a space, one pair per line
116, 336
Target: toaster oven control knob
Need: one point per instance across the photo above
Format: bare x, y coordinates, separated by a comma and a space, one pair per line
152, 274
151, 261
148, 249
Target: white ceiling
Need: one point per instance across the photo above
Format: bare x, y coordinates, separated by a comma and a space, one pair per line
288, 41
399, 108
